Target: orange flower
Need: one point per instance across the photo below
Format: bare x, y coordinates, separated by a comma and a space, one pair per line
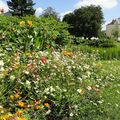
21, 104
38, 102
19, 112
95, 88
30, 23
22, 23
17, 95
46, 105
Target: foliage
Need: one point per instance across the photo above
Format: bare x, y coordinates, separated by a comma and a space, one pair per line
50, 12
21, 7
85, 21
38, 82
106, 43
103, 53
26, 34
54, 85
95, 42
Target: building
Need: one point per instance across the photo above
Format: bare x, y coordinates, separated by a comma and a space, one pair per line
6, 13
1, 11
113, 29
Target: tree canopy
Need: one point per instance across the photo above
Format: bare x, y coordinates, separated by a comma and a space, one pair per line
85, 21
21, 7
50, 12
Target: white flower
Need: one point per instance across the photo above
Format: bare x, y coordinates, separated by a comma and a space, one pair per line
27, 82
79, 78
1, 107
26, 72
89, 88
117, 105
100, 101
12, 77
48, 112
71, 114
64, 90
1, 63
52, 89
2, 69
118, 91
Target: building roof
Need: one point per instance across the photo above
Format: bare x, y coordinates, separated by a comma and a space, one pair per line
115, 21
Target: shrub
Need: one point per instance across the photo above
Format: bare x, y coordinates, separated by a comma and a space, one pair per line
102, 43
30, 33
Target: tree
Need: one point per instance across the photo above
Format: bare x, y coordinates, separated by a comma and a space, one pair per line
50, 12
21, 7
85, 21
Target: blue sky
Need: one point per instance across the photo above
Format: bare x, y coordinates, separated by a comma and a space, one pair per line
111, 8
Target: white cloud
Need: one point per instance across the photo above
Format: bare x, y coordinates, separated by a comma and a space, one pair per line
38, 11
105, 4
104, 25
3, 5
62, 14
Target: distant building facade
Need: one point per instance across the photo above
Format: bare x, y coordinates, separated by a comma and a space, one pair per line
113, 29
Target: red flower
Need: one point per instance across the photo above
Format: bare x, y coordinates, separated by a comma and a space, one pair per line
29, 66
44, 59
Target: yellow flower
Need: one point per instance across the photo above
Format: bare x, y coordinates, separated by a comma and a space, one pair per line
18, 118
5, 117
19, 112
66, 53
21, 104
11, 97
46, 105
30, 23
22, 23
37, 107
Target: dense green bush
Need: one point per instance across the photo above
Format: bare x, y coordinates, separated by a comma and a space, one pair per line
101, 42
106, 43
30, 33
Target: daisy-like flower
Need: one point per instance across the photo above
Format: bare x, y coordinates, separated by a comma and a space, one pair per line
81, 91
1, 63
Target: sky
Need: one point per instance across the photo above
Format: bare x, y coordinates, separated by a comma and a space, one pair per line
111, 8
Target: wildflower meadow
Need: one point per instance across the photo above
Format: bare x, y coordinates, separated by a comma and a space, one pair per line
43, 76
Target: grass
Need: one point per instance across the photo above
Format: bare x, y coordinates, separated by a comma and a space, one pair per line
111, 93
104, 53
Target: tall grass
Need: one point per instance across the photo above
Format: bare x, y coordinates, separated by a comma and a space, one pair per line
104, 53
